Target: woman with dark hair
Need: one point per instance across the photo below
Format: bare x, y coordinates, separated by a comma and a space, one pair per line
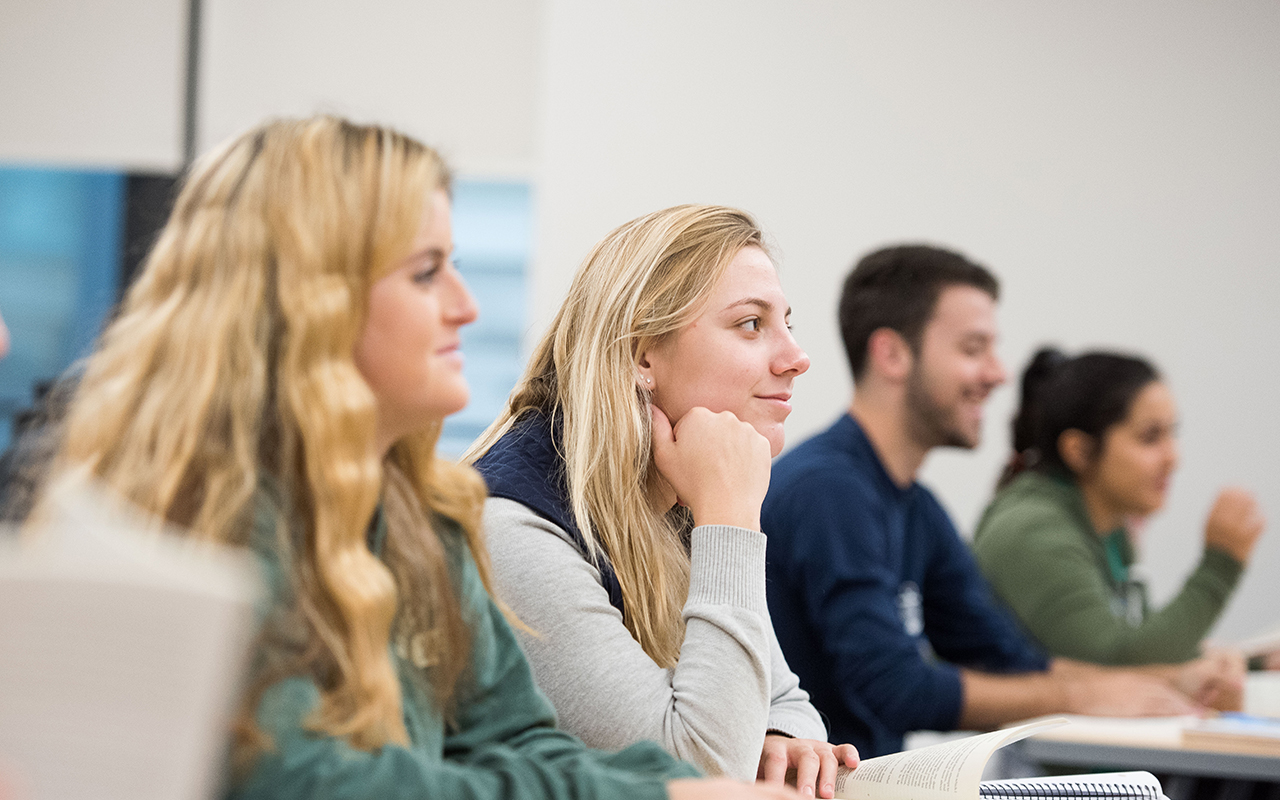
1094, 448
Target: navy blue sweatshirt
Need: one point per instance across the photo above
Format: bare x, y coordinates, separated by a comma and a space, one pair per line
874, 596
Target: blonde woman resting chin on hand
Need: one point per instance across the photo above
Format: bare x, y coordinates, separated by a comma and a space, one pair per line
627, 473
277, 380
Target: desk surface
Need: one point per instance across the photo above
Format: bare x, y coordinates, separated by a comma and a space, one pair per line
1169, 760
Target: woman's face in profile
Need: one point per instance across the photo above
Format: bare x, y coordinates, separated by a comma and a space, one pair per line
410, 351
738, 355
1139, 454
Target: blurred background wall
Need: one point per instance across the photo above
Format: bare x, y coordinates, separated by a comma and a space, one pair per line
1116, 164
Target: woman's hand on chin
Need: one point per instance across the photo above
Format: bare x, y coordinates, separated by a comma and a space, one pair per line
717, 465
808, 764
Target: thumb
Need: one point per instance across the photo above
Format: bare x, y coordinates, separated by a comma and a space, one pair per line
664, 438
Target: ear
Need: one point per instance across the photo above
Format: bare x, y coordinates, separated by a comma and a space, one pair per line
644, 372
889, 354
1077, 449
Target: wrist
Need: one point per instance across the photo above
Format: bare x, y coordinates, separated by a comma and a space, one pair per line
734, 517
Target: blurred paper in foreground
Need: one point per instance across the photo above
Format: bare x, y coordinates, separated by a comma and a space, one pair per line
121, 655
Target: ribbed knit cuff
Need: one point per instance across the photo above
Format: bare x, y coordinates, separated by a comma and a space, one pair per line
728, 567
795, 724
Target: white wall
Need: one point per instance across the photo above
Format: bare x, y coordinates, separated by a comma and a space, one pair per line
91, 82
1116, 164
460, 76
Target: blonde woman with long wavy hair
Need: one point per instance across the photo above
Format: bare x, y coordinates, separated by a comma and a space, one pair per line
276, 380
627, 473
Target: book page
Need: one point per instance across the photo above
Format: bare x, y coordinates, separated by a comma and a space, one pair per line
1164, 732
1260, 644
947, 771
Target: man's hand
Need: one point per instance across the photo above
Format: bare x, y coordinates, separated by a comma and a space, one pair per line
1215, 680
1106, 692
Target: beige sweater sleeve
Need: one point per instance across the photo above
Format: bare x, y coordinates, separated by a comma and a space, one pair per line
712, 708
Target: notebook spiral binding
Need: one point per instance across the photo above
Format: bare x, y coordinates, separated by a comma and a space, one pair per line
1066, 789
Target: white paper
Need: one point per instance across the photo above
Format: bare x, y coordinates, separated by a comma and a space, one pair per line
944, 771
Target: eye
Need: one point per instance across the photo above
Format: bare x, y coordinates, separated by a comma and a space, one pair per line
752, 325
426, 273
1151, 435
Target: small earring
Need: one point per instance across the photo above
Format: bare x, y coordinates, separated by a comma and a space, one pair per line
648, 380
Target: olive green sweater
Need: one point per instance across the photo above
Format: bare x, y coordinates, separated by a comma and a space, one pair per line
1037, 547
504, 744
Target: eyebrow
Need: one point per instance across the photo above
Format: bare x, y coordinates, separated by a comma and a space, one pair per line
432, 252
761, 303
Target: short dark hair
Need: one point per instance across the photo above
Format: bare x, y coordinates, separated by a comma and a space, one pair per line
897, 288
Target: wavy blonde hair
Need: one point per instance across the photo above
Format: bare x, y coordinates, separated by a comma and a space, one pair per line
643, 282
230, 367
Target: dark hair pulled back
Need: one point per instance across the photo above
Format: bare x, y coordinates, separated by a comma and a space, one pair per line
1089, 393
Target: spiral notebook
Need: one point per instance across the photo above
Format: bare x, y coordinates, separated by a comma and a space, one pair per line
953, 771
1104, 786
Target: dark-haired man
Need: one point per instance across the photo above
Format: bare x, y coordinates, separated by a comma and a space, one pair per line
877, 602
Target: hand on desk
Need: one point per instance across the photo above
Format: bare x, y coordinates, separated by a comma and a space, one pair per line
1215, 680
726, 789
1113, 692
807, 763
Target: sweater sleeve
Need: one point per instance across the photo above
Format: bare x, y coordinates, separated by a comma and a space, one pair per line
503, 744
835, 552
712, 708
790, 711
536, 763
1042, 567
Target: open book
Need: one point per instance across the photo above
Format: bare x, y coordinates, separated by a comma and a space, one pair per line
953, 771
121, 653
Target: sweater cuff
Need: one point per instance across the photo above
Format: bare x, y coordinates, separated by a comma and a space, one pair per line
797, 725
727, 567
1223, 567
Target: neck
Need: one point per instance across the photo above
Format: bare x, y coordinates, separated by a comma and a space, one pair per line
1104, 516
885, 424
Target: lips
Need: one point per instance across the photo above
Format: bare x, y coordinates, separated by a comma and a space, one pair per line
452, 353
781, 400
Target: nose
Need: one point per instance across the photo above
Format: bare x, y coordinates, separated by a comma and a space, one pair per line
791, 359
996, 373
461, 307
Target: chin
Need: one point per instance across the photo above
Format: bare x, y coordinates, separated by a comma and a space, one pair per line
776, 442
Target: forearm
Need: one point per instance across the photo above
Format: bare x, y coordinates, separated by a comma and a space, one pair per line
790, 710
711, 708
993, 700
1173, 633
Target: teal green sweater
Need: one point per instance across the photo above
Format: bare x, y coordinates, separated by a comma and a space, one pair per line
505, 743
1037, 547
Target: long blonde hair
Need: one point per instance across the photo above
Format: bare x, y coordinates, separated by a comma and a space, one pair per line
639, 285
230, 368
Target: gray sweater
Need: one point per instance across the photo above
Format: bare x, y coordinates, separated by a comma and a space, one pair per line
713, 708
